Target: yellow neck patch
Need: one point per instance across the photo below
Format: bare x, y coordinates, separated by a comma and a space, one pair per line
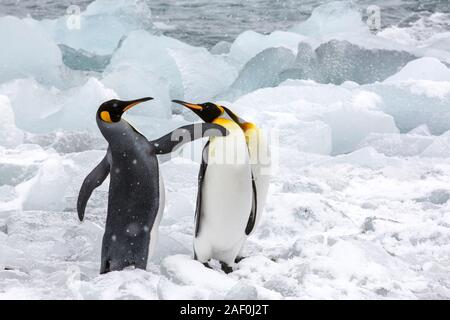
250, 131
248, 126
223, 122
230, 125
105, 116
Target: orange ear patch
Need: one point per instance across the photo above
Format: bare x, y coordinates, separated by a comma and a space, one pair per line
105, 116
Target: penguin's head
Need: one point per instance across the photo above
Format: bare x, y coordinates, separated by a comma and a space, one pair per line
208, 111
112, 111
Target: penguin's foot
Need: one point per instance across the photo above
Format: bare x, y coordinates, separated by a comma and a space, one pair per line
239, 259
226, 268
206, 264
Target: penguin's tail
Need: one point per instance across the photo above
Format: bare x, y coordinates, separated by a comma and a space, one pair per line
179, 137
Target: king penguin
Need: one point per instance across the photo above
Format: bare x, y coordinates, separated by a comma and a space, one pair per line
233, 185
136, 190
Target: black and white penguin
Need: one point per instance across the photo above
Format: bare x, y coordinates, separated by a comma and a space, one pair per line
233, 185
136, 190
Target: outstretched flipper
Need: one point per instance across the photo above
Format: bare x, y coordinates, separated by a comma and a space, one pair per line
92, 181
252, 220
177, 138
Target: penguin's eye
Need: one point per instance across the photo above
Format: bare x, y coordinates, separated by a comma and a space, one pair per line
115, 105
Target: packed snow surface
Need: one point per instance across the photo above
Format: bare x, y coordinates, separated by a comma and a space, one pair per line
359, 123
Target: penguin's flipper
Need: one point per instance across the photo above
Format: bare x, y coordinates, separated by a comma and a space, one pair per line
201, 176
252, 220
92, 181
174, 140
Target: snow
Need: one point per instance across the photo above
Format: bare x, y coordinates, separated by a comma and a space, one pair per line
360, 192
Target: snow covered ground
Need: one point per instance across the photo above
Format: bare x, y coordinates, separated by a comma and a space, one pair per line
358, 206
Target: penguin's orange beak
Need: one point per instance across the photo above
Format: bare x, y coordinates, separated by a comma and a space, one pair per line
189, 105
131, 104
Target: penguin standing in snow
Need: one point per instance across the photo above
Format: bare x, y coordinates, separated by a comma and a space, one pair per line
136, 190
233, 186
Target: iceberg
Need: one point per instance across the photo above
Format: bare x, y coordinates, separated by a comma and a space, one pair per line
260, 72
190, 71
440, 148
342, 20
10, 135
83, 60
101, 27
47, 190
199, 82
130, 82
67, 141
20, 164
352, 114
426, 68
340, 61
248, 44
29, 52
150, 54
401, 145
416, 102
222, 47
38, 109
332, 20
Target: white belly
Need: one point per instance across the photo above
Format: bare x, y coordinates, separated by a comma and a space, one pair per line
155, 229
226, 200
226, 205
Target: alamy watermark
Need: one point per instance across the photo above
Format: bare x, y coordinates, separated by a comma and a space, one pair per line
374, 18
257, 148
73, 20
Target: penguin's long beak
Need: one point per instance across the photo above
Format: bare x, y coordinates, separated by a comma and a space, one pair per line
131, 104
189, 105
